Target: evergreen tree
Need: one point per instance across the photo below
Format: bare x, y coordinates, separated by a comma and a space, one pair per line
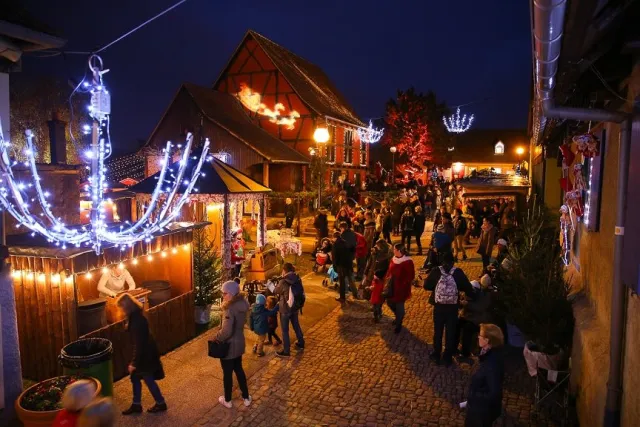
207, 269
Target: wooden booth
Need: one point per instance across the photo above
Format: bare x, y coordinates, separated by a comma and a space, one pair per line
490, 187
57, 297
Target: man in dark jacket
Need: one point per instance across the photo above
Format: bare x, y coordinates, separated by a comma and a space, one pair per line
343, 254
321, 224
289, 310
445, 305
419, 223
475, 311
289, 213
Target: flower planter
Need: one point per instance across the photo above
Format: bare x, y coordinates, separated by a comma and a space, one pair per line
202, 314
44, 418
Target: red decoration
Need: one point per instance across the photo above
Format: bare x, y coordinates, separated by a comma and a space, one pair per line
587, 144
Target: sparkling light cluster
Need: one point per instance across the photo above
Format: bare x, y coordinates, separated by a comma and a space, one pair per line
587, 204
370, 135
15, 199
457, 124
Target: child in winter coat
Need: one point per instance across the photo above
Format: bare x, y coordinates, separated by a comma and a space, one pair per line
377, 285
76, 397
272, 320
259, 323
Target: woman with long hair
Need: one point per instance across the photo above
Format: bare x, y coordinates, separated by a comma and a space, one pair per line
484, 401
145, 364
399, 280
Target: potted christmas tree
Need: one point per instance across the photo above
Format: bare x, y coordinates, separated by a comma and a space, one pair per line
207, 275
533, 292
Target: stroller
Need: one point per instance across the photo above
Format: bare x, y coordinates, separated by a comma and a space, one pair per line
332, 278
323, 261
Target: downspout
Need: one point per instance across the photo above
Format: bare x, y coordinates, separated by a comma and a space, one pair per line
548, 22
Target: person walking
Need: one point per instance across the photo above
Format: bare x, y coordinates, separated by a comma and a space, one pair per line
407, 223
145, 363
343, 254
485, 243
419, 223
445, 284
484, 400
460, 227
291, 294
387, 224
234, 315
399, 279
289, 213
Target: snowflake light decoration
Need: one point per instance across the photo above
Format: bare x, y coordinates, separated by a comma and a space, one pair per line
457, 124
370, 135
15, 197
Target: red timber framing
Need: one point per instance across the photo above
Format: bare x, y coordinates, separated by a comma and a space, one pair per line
270, 75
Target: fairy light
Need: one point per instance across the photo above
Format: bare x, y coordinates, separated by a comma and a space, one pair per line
16, 274
68, 280
587, 205
174, 251
457, 124
370, 135
30, 275
55, 278
14, 199
149, 258
163, 254
88, 275
105, 270
134, 261
121, 266
185, 247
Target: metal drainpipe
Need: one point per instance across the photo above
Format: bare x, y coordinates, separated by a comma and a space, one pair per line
618, 311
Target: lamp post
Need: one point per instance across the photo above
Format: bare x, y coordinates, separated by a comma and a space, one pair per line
321, 136
393, 150
520, 152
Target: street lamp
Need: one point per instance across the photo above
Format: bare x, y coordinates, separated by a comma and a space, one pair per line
520, 152
321, 136
393, 150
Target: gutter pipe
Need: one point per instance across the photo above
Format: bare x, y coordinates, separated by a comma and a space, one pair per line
548, 22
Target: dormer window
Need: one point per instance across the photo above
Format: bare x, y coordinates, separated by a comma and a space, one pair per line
499, 148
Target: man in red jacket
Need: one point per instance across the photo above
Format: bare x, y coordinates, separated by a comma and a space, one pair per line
401, 274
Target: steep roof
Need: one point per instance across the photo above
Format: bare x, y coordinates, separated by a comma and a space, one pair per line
478, 146
309, 81
216, 177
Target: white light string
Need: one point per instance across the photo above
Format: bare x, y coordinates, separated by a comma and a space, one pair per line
14, 198
457, 124
370, 135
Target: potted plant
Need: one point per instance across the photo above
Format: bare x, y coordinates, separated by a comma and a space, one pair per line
207, 275
39, 405
533, 292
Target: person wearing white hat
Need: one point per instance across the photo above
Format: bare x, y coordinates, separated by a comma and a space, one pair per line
235, 308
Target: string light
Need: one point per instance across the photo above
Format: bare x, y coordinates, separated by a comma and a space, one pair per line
174, 251
29, 276
105, 270
88, 275
587, 205
121, 266
370, 135
14, 199
55, 278
457, 124
134, 261
149, 258
163, 254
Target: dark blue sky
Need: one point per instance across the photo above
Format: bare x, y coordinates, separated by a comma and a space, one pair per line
464, 50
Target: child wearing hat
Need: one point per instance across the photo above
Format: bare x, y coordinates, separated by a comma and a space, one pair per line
259, 322
76, 397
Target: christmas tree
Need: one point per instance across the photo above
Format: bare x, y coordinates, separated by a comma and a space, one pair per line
207, 269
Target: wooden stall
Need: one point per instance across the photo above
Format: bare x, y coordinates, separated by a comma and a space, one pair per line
50, 282
496, 186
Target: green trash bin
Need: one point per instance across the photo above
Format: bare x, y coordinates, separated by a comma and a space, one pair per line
91, 357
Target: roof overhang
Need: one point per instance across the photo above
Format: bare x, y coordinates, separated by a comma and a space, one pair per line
16, 39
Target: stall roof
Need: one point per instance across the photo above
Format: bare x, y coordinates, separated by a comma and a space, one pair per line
494, 182
216, 177
26, 245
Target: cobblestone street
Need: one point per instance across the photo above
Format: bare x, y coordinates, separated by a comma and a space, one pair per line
356, 372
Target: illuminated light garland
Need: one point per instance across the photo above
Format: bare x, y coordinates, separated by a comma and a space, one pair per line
14, 199
587, 204
457, 124
370, 135
253, 102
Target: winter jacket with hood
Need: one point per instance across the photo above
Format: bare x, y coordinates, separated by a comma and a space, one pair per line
259, 318
403, 272
487, 240
234, 317
461, 279
282, 290
378, 263
341, 255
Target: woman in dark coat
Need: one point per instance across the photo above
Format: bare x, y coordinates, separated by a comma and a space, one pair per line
145, 364
484, 402
321, 224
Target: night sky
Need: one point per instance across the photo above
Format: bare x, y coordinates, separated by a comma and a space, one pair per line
464, 50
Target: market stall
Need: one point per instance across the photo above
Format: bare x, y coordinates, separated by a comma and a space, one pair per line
63, 294
489, 187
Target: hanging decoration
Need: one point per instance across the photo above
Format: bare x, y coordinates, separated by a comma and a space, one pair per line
566, 233
578, 178
253, 102
587, 144
370, 135
17, 198
457, 124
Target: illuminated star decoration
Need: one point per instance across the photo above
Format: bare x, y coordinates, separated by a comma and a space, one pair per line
165, 204
370, 135
457, 124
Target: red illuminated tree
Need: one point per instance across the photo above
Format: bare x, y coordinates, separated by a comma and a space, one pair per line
414, 125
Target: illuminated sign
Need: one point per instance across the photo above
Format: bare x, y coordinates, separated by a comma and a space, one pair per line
253, 101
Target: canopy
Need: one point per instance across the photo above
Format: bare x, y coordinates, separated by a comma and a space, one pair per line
216, 177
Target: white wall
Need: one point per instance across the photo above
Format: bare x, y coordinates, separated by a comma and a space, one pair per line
4, 104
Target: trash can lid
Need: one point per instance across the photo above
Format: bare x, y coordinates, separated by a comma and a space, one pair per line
156, 285
92, 303
85, 352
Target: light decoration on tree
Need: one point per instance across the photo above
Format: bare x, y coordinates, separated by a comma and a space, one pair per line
15, 199
457, 124
253, 102
370, 135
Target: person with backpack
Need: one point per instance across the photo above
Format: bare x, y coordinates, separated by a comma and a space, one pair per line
407, 223
292, 299
445, 284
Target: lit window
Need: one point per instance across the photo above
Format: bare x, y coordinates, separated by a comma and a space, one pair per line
499, 148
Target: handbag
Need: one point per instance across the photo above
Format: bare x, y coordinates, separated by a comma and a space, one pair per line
387, 291
218, 350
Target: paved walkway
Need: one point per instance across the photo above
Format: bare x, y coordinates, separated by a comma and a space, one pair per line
353, 372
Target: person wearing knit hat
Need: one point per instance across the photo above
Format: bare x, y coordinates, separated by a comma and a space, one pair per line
259, 322
485, 282
475, 311
234, 317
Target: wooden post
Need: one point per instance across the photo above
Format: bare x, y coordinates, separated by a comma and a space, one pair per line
265, 174
298, 213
